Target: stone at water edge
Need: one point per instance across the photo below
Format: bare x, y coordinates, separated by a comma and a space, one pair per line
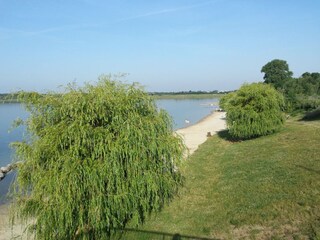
5, 169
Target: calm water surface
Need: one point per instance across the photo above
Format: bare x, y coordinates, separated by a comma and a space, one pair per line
188, 110
191, 110
8, 113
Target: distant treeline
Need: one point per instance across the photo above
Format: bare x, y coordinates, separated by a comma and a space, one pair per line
8, 97
189, 92
13, 97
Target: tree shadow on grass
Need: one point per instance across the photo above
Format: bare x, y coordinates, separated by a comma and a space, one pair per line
144, 234
224, 134
308, 169
311, 116
132, 233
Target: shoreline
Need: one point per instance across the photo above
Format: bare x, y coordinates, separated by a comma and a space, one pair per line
213, 112
196, 134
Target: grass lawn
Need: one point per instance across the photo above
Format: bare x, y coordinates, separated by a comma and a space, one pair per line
266, 188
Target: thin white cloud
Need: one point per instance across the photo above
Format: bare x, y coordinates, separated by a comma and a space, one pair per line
6, 33
168, 10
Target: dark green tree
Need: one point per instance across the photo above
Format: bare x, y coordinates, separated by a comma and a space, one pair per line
276, 72
303, 93
254, 110
95, 159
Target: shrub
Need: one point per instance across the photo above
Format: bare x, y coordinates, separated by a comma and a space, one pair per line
225, 99
97, 158
254, 110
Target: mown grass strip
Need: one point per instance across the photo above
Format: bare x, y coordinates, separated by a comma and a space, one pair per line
264, 188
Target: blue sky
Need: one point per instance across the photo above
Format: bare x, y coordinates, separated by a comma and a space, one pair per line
165, 45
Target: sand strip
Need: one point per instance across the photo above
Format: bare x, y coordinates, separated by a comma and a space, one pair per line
6, 232
195, 135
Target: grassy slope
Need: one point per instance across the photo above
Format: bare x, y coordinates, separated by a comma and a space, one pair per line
263, 188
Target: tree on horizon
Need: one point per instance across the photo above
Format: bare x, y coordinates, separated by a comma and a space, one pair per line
276, 72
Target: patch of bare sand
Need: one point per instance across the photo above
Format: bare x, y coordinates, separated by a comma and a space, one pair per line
7, 232
195, 135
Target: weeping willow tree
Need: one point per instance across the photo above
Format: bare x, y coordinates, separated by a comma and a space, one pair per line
224, 100
96, 159
254, 110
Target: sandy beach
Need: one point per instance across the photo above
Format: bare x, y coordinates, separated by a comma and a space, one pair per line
196, 134
6, 232
193, 136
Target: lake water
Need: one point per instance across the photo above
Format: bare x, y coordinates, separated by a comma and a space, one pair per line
8, 113
192, 110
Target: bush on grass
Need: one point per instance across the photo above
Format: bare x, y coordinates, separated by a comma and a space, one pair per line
254, 110
95, 159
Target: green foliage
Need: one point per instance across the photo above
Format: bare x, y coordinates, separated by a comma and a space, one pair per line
304, 92
254, 110
301, 93
97, 158
276, 72
8, 98
225, 100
